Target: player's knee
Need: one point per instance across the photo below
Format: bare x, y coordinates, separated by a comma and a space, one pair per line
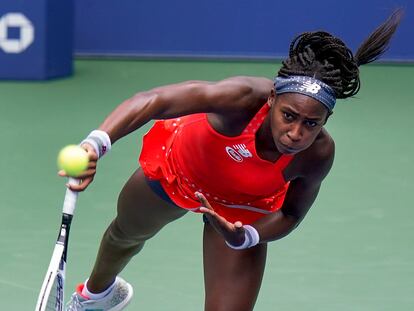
223, 302
217, 306
117, 235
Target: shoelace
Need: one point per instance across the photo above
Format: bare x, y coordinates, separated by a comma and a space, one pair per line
74, 304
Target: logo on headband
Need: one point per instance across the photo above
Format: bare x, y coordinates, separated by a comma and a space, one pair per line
310, 87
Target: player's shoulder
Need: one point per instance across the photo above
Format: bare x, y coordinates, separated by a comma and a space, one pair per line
235, 101
248, 79
246, 90
248, 82
323, 147
317, 160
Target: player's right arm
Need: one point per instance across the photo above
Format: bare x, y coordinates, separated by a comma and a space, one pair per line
227, 97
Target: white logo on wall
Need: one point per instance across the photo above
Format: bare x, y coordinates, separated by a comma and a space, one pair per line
17, 21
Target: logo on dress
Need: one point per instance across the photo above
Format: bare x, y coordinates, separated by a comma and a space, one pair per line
237, 152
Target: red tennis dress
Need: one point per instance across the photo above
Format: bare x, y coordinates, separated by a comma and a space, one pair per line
186, 155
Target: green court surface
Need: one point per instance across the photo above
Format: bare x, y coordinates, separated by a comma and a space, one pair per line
353, 252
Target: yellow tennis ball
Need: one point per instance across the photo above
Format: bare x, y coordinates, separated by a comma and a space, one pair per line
73, 160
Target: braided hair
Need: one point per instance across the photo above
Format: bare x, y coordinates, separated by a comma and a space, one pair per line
325, 57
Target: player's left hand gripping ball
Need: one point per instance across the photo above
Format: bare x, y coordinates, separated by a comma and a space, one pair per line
73, 160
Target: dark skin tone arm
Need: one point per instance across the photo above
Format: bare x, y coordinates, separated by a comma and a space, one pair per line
230, 98
306, 173
311, 168
228, 103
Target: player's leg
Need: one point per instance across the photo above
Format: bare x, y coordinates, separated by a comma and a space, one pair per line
232, 277
141, 214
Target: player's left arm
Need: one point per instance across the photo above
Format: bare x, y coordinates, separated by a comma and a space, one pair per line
300, 196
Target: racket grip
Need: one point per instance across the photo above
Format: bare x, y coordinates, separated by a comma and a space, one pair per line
69, 203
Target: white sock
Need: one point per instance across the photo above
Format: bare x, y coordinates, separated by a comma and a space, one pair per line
96, 296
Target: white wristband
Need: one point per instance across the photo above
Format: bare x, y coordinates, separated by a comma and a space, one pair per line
100, 141
251, 238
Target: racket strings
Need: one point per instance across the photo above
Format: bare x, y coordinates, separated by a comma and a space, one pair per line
55, 300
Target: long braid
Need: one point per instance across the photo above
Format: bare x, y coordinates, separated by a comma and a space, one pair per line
322, 56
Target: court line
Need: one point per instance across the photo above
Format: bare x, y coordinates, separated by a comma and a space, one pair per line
7, 283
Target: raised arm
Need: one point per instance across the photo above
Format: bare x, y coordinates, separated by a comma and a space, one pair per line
226, 96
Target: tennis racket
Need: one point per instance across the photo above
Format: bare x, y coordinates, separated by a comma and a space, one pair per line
51, 296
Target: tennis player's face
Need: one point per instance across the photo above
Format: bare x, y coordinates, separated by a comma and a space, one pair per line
296, 121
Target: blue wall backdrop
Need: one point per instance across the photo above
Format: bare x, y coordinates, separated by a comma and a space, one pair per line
36, 39
229, 28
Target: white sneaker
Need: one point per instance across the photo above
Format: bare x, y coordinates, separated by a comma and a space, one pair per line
116, 300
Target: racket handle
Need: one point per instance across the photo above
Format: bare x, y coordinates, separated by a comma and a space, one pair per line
70, 198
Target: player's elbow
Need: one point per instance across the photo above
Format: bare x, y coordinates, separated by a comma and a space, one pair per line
147, 104
293, 220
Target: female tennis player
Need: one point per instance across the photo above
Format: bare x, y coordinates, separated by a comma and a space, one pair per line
247, 152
